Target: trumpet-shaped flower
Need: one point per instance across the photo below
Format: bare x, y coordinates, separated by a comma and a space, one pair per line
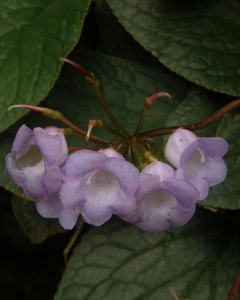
163, 200
200, 158
35, 164
99, 184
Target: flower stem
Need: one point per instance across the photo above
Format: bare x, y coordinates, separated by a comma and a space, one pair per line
96, 85
195, 126
100, 125
71, 132
94, 82
145, 106
73, 239
173, 294
54, 114
79, 67
76, 148
116, 145
235, 287
147, 154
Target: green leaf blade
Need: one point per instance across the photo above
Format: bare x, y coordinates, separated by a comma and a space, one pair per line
33, 36
198, 40
35, 226
120, 261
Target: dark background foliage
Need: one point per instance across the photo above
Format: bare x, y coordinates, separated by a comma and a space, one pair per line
136, 48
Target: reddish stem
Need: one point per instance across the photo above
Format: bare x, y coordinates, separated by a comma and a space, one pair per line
54, 114
145, 106
196, 126
79, 67
235, 287
73, 148
154, 97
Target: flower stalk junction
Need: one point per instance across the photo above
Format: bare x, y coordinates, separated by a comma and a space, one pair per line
128, 176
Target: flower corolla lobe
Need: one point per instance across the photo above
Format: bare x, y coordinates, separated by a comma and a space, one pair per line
99, 184
200, 158
163, 200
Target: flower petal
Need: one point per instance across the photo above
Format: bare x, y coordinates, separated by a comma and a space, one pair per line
52, 178
215, 148
22, 142
160, 169
50, 208
213, 172
82, 162
28, 178
68, 218
160, 211
201, 185
72, 194
177, 143
111, 153
126, 174
187, 153
98, 186
103, 196
52, 144
184, 192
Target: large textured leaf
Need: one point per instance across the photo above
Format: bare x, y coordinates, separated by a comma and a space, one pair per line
196, 39
197, 106
116, 40
36, 227
33, 35
119, 261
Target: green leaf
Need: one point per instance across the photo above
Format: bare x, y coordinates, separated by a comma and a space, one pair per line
116, 40
197, 106
35, 226
118, 261
196, 39
33, 36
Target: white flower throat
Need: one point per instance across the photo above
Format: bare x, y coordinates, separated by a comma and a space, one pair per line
30, 159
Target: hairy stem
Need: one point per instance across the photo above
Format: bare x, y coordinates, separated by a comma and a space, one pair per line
195, 126
73, 239
147, 154
76, 148
100, 125
96, 85
235, 287
54, 114
94, 82
145, 106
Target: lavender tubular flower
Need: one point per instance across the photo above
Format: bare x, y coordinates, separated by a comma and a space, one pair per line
99, 184
163, 200
200, 158
35, 163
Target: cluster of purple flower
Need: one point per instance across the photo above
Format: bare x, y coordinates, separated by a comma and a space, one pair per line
97, 184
